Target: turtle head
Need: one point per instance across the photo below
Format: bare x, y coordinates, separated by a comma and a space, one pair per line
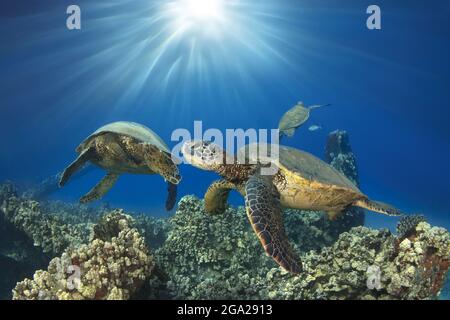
204, 155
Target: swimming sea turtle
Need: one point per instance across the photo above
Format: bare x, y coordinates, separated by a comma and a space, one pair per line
300, 181
125, 147
294, 118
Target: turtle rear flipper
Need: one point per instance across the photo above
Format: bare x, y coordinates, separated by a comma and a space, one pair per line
318, 106
379, 207
171, 196
79, 163
262, 202
101, 188
217, 196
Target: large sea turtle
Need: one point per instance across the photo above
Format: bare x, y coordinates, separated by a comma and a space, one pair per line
294, 118
125, 147
300, 181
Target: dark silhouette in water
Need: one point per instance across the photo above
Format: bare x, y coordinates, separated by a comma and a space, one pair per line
48, 186
339, 154
172, 196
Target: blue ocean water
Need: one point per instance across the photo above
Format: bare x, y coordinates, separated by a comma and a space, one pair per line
138, 61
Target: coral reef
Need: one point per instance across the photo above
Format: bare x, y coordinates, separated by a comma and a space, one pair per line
19, 258
48, 231
13, 270
7, 190
18, 255
31, 232
154, 230
112, 266
407, 225
211, 256
201, 256
218, 257
412, 269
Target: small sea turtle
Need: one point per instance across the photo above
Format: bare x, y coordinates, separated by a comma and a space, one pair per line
294, 118
300, 181
125, 147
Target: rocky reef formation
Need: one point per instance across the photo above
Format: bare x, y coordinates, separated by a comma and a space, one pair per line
339, 154
214, 256
218, 257
32, 233
112, 266
18, 255
370, 264
101, 254
201, 256
407, 225
51, 232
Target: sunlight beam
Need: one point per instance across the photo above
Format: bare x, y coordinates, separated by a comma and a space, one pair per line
201, 9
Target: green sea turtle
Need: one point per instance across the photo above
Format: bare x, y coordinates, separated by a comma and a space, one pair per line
125, 147
299, 181
294, 118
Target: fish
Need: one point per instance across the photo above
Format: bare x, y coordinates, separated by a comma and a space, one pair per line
314, 127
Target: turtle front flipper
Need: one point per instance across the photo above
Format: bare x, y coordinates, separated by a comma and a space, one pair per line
79, 163
379, 207
171, 196
216, 196
101, 188
262, 202
161, 163
288, 132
